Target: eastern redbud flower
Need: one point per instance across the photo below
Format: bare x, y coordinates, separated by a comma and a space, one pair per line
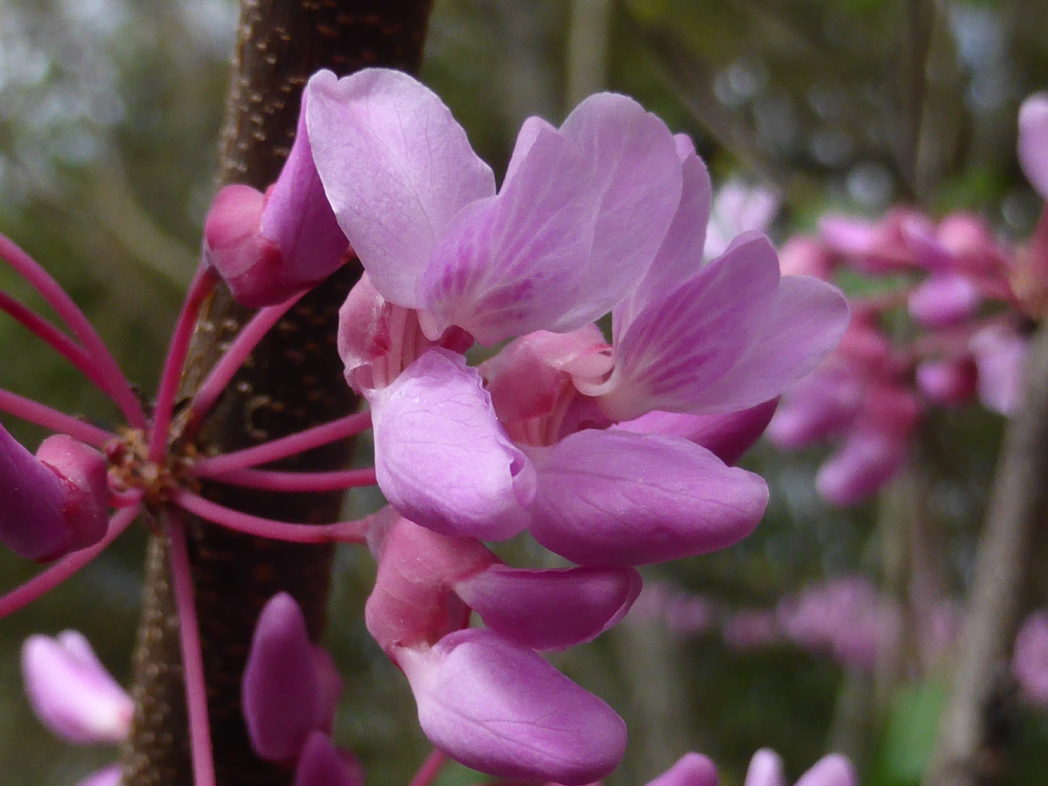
485, 697
268, 247
75, 697
606, 213
54, 502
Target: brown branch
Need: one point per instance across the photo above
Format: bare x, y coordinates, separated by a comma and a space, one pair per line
968, 749
292, 381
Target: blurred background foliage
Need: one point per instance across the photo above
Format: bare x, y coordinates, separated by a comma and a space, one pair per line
109, 111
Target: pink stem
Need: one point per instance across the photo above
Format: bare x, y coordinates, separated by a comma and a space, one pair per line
203, 283
108, 369
42, 415
274, 480
54, 337
430, 768
51, 577
192, 657
285, 446
243, 345
290, 532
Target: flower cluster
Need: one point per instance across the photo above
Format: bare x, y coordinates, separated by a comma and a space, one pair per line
611, 454
970, 304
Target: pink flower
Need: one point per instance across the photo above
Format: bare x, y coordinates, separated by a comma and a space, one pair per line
270, 246
54, 502
484, 696
1030, 661
75, 697
592, 217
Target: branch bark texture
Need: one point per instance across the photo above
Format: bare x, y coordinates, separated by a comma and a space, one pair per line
969, 749
292, 381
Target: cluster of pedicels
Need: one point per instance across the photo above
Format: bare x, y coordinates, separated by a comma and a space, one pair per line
949, 321
609, 454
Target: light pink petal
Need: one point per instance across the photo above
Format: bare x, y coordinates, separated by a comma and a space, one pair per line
680, 255
248, 263
501, 709
72, 693
804, 324
679, 346
618, 498
281, 691
107, 776
396, 167
550, 609
322, 764
765, 769
692, 769
832, 770
31, 520
513, 264
944, 300
83, 473
738, 208
441, 456
817, 407
637, 171
1000, 355
1033, 141
727, 436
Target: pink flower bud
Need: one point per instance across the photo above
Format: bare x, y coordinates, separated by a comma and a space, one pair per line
270, 246
322, 764
282, 693
501, 709
55, 501
72, 693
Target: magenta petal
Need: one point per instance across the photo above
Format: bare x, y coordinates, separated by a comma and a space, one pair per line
441, 457
617, 498
83, 473
107, 776
31, 520
281, 692
832, 770
692, 769
550, 609
680, 345
501, 709
727, 436
248, 263
72, 693
396, 167
765, 769
322, 764
1033, 141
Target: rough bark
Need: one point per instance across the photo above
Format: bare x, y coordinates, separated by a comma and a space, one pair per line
292, 381
970, 747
